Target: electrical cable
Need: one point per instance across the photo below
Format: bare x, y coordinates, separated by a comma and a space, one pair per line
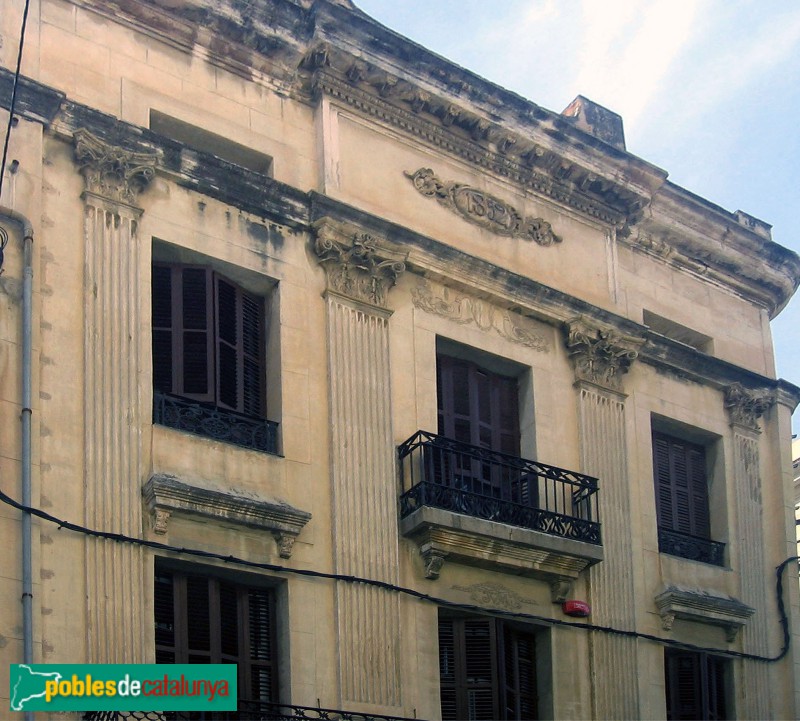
543, 620
14, 93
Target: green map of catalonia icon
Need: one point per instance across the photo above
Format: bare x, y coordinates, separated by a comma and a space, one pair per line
30, 684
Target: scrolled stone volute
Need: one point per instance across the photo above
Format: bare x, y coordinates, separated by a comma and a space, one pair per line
600, 354
110, 171
359, 266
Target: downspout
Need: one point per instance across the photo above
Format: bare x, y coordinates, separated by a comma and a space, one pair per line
27, 314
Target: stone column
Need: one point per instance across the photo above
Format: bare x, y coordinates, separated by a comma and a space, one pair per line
601, 356
360, 271
744, 408
112, 404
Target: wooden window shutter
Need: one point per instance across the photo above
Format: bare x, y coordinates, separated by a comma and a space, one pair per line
240, 347
162, 319
679, 470
519, 666
262, 677
476, 406
695, 686
193, 314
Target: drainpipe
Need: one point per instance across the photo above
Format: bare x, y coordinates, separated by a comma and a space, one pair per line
27, 313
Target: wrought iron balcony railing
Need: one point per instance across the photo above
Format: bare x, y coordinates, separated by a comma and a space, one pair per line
248, 711
458, 477
694, 548
220, 424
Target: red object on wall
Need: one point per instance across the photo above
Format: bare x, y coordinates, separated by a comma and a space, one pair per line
580, 609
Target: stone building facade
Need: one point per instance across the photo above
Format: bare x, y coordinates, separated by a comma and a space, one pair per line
442, 361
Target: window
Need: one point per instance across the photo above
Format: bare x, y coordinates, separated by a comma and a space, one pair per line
201, 619
207, 339
487, 670
695, 685
477, 406
682, 501
208, 356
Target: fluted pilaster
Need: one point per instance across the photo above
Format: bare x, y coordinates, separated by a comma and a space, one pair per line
601, 357
112, 405
744, 408
360, 272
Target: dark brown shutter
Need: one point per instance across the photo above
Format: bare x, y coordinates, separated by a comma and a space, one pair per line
200, 619
468, 668
240, 348
261, 639
163, 359
193, 314
695, 686
164, 602
519, 666
679, 470
479, 408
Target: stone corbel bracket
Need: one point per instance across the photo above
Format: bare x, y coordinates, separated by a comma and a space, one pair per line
165, 495
359, 266
601, 354
702, 607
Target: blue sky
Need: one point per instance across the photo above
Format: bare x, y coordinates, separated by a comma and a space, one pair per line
709, 90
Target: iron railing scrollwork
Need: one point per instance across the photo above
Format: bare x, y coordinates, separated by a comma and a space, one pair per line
454, 476
220, 424
247, 711
691, 547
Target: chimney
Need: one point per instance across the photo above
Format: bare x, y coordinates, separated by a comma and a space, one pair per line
596, 120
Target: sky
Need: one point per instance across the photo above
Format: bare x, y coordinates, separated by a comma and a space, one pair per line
708, 90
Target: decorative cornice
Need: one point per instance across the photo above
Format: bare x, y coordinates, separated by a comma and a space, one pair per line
745, 406
165, 495
551, 173
482, 209
358, 265
600, 354
702, 607
466, 310
110, 171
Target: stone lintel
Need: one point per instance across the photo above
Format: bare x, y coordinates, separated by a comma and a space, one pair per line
443, 535
166, 495
702, 607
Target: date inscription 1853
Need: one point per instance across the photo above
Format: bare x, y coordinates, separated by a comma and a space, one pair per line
483, 209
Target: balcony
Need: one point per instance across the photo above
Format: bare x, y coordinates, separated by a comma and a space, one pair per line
248, 711
219, 424
481, 507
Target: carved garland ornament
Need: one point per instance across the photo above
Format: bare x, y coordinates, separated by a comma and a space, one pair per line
482, 209
745, 407
357, 264
464, 311
495, 596
110, 171
601, 355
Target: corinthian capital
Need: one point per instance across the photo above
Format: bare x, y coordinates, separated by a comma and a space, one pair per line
600, 354
112, 172
358, 265
745, 406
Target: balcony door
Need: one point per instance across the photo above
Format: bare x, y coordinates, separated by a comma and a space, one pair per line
479, 408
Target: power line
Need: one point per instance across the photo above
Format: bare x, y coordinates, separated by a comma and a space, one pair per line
542, 620
14, 94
